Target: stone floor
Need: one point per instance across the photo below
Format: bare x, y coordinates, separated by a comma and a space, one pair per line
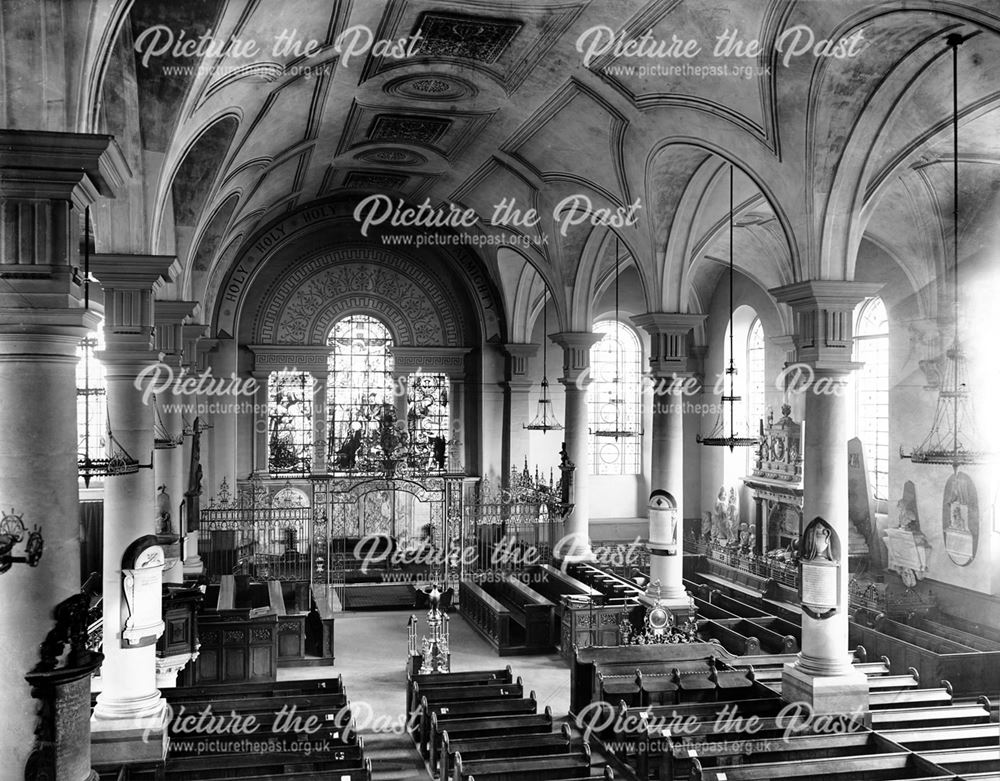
371, 654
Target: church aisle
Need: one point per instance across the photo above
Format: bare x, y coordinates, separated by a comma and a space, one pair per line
370, 654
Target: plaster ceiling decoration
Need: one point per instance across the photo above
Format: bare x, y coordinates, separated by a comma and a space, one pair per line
470, 34
729, 86
369, 180
392, 156
431, 86
465, 37
396, 125
407, 129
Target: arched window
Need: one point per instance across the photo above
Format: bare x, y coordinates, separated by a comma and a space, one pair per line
289, 422
615, 405
871, 386
756, 378
360, 386
91, 398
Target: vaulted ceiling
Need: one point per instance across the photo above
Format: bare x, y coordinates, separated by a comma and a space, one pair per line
500, 100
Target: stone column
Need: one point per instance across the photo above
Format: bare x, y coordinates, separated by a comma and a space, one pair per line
222, 438
668, 368
168, 457
192, 334
823, 675
46, 180
576, 378
128, 720
518, 403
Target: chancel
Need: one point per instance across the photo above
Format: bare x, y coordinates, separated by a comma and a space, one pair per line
285, 490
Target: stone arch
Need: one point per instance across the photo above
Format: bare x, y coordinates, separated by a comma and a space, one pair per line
304, 302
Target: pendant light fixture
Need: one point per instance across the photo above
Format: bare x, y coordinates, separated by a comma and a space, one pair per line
117, 460
718, 437
952, 438
614, 409
545, 418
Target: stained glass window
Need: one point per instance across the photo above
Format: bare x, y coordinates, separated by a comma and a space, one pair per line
615, 405
360, 389
427, 405
289, 417
91, 398
871, 383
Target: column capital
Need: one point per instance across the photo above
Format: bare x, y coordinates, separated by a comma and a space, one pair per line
192, 334
168, 336
824, 320
576, 353
77, 167
134, 272
668, 333
519, 353
129, 282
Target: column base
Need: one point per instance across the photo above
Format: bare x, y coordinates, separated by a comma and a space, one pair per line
846, 693
193, 565
129, 740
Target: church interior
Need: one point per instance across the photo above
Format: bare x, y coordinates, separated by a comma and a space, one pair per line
453, 389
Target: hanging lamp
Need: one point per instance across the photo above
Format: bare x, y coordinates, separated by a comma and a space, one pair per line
718, 436
613, 409
545, 417
952, 439
117, 460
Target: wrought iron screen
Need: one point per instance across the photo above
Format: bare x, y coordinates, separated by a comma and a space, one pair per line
265, 533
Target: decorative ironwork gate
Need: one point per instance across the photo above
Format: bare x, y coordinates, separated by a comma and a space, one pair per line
262, 533
512, 528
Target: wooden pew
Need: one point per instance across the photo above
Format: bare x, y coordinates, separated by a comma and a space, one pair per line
606, 775
255, 689
502, 746
625, 660
452, 700
739, 748
909, 698
486, 615
443, 714
208, 767
946, 715
895, 766
274, 702
729, 637
970, 671
654, 745
358, 774
945, 737
466, 677
973, 759
532, 612
551, 766
486, 727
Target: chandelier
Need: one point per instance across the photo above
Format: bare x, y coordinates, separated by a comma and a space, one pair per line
952, 439
718, 436
545, 417
117, 461
613, 409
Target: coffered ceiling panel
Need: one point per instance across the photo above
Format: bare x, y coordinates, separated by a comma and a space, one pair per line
504, 45
448, 135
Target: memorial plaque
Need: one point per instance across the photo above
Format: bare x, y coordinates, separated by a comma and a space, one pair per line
820, 585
